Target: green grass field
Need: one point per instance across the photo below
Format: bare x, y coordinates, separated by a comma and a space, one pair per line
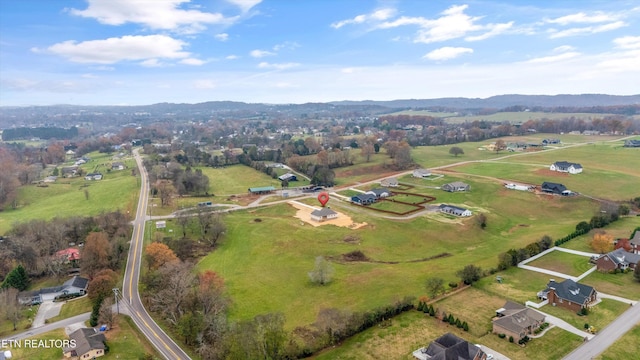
118, 190
563, 262
72, 308
236, 179
625, 348
599, 316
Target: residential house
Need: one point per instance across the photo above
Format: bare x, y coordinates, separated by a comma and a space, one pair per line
89, 344
550, 141
569, 294
421, 173
379, 192
450, 347
75, 285
364, 199
516, 320
632, 143
323, 214
454, 210
288, 177
68, 255
389, 182
456, 186
565, 166
69, 171
93, 176
617, 259
117, 165
554, 188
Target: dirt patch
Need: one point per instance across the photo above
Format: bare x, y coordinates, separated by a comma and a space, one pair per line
304, 214
355, 255
349, 239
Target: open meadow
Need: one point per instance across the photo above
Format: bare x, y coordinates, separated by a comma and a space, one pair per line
118, 190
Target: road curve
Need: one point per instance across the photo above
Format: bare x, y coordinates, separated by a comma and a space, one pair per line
156, 336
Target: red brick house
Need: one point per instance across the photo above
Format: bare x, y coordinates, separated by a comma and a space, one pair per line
516, 320
617, 259
569, 295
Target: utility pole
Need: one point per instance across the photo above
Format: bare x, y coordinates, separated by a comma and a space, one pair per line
115, 295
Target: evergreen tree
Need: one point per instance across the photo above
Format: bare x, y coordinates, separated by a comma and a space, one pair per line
17, 278
95, 313
451, 320
465, 326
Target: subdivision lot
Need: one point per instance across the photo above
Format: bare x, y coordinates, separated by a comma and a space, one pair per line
563, 262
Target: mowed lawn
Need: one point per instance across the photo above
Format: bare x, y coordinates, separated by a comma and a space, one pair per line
118, 190
563, 262
619, 229
624, 348
237, 179
265, 263
413, 330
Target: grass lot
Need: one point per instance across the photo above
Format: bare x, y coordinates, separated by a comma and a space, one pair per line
41, 353
599, 316
72, 308
563, 262
26, 317
517, 284
412, 330
66, 197
277, 253
625, 348
614, 284
395, 207
236, 179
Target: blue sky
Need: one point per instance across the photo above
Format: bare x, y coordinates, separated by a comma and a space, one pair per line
95, 52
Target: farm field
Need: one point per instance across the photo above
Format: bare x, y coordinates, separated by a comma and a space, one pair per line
118, 190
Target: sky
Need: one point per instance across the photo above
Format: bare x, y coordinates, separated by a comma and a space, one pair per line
136, 52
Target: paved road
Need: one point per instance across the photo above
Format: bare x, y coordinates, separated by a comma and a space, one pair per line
156, 336
48, 327
607, 336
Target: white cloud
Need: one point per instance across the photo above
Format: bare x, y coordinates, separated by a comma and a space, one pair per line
447, 53
280, 66
627, 42
221, 37
453, 23
151, 63
261, 53
378, 15
245, 5
156, 14
587, 30
232, 57
554, 58
204, 84
563, 48
581, 17
289, 45
126, 48
192, 61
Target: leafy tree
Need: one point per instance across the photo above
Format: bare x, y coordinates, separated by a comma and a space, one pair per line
636, 272
102, 284
545, 242
189, 325
500, 145
376, 148
481, 219
455, 151
583, 227
504, 261
322, 272
434, 286
602, 243
17, 279
158, 254
470, 274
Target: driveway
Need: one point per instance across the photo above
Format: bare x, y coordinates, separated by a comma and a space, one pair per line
47, 310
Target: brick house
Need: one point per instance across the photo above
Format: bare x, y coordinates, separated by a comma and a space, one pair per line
516, 320
617, 259
569, 295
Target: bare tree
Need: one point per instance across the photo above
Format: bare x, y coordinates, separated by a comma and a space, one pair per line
171, 299
10, 306
106, 315
322, 272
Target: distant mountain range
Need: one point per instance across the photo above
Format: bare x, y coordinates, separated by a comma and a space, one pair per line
504, 101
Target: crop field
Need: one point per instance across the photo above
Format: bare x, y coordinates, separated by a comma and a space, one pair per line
118, 190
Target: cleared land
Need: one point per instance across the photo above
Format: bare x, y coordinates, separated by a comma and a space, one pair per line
563, 262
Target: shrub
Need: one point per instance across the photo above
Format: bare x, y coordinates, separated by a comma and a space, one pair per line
465, 326
586, 326
453, 285
502, 336
510, 339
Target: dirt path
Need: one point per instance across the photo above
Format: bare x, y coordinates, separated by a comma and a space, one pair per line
304, 214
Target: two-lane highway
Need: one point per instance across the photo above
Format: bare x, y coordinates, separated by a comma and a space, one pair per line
158, 338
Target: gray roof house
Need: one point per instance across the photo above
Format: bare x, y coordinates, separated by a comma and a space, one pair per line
617, 259
565, 166
364, 199
554, 188
89, 344
75, 285
379, 192
455, 186
516, 320
450, 347
454, 210
389, 182
421, 173
323, 214
569, 294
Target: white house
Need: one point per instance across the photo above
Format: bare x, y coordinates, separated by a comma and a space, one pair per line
565, 166
93, 176
389, 182
454, 210
421, 173
323, 214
